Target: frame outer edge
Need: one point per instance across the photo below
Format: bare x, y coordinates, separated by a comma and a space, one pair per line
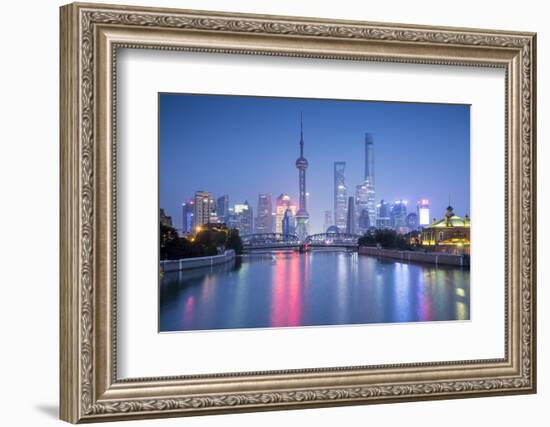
533, 209
69, 354
77, 226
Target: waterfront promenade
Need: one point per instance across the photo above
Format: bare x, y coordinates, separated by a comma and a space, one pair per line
197, 262
416, 256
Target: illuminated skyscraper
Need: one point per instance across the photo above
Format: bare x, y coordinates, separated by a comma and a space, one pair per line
340, 196
289, 222
222, 207
264, 219
350, 226
242, 218
423, 209
282, 203
398, 215
204, 207
328, 221
188, 217
362, 207
302, 216
369, 177
363, 222
383, 219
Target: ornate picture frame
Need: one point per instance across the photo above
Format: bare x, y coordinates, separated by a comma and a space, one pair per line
90, 37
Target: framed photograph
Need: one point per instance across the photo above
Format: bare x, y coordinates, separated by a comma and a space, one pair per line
265, 212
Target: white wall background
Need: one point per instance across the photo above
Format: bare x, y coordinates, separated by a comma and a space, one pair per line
29, 170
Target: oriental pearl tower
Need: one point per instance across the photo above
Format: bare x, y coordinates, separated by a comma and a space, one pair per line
302, 217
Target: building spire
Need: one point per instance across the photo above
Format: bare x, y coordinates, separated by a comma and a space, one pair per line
301, 135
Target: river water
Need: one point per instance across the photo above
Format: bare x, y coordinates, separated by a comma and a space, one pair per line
315, 288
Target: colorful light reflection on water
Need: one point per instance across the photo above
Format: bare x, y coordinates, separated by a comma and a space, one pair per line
315, 288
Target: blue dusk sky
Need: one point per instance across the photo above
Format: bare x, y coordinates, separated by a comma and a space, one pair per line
243, 146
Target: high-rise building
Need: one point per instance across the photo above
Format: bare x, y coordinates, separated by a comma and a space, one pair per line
362, 207
369, 177
340, 196
204, 207
283, 203
241, 218
264, 219
165, 219
383, 219
363, 222
398, 215
302, 216
412, 221
328, 221
222, 207
289, 222
350, 226
423, 210
188, 217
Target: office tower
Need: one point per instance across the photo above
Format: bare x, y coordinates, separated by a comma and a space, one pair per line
412, 221
283, 203
350, 223
423, 210
363, 222
188, 217
398, 215
289, 222
302, 216
340, 196
362, 207
328, 221
264, 219
383, 219
222, 208
204, 207
165, 219
369, 177
242, 218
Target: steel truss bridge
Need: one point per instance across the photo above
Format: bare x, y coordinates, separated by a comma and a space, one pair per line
266, 241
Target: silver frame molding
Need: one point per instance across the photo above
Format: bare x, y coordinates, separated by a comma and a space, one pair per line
90, 37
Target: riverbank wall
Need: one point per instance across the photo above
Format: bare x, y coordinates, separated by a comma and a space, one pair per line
198, 262
413, 256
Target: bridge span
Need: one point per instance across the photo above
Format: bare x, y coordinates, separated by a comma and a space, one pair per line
276, 241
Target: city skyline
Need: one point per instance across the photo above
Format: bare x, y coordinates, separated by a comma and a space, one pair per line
246, 146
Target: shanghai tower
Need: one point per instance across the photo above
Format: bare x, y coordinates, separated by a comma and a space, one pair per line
302, 217
369, 178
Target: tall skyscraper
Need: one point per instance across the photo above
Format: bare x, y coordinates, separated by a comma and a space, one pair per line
363, 221
340, 196
350, 226
204, 207
423, 210
398, 215
369, 177
302, 216
264, 219
283, 203
222, 207
362, 207
289, 222
242, 218
188, 217
328, 221
383, 219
